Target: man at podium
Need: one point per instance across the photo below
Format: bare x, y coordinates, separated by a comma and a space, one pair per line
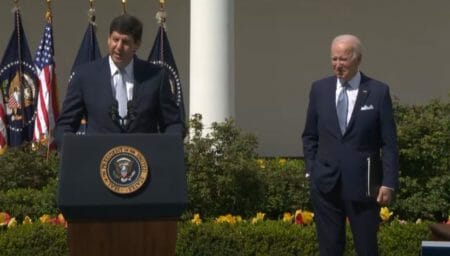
120, 93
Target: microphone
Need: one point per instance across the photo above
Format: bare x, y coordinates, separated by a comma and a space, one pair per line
123, 122
114, 112
131, 111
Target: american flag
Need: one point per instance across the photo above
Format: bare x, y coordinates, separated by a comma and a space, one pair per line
3, 134
12, 102
47, 105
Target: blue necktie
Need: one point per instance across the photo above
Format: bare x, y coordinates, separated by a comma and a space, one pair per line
121, 93
342, 107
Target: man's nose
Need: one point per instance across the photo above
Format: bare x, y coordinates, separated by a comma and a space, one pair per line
119, 44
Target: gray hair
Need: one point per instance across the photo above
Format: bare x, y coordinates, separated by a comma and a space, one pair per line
353, 41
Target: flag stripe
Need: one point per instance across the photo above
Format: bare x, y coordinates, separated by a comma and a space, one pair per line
46, 111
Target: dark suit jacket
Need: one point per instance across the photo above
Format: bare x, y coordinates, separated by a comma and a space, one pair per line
368, 145
90, 93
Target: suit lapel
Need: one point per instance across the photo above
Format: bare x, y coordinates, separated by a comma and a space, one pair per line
105, 92
363, 92
106, 80
137, 92
331, 101
137, 81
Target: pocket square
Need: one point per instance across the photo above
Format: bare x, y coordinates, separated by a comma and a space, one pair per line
365, 107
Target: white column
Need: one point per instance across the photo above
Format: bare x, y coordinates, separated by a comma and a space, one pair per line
211, 91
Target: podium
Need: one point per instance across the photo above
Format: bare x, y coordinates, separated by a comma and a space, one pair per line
122, 194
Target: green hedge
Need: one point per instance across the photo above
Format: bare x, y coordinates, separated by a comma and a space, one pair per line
285, 187
21, 202
222, 171
277, 238
423, 138
427, 200
22, 167
243, 238
34, 239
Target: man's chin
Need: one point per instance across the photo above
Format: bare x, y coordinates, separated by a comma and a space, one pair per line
118, 62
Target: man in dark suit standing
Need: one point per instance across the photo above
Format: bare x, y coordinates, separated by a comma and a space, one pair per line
120, 93
350, 148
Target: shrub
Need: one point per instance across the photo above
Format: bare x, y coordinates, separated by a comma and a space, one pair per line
221, 170
265, 238
404, 239
278, 238
22, 167
423, 139
429, 201
30, 202
286, 188
34, 239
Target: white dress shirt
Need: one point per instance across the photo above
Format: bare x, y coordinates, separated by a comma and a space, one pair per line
128, 77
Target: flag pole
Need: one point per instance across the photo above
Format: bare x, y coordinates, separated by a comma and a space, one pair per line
91, 12
124, 6
91, 15
161, 17
19, 53
48, 17
48, 13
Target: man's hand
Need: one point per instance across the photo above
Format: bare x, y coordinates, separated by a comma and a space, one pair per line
384, 195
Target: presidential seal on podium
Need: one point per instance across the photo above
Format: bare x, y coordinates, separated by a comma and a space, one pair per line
124, 170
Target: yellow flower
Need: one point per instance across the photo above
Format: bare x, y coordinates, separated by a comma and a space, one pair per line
418, 221
222, 219
12, 223
27, 220
282, 162
307, 217
3, 150
61, 220
259, 217
303, 217
385, 214
228, 219
196, 220
44, 218
261, 163
287, 217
